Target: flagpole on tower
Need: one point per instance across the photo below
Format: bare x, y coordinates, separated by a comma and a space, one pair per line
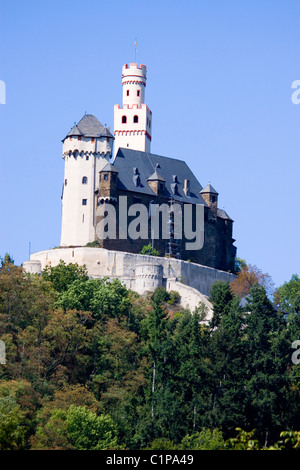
135, 49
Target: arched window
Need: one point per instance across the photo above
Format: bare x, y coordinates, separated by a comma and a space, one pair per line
84, 180
135, 118
124, 119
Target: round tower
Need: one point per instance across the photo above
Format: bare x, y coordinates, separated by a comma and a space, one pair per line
86, 150
134, 84
148, 276
133, 120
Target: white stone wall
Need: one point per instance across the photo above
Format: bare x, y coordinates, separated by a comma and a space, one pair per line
138, 272
82, 159
190, 298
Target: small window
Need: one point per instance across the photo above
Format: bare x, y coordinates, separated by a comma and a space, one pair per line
135, 118
70, 138
79, 137
66, 182
213, 199
124, 119
93, 140
84, 202
87, 157
106, 177
84, 180
127, 92
138, 93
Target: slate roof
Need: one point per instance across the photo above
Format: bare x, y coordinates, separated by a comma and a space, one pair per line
209, 189
223, 215
131, 163
109, 168
89, 126
155, 177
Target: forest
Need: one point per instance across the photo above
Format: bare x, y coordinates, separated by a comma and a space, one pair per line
91, 365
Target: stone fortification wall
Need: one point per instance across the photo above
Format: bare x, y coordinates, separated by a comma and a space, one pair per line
140, 273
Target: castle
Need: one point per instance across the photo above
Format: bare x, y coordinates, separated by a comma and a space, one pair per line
102, 169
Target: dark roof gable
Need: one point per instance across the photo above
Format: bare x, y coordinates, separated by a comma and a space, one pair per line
128, 160
89, 126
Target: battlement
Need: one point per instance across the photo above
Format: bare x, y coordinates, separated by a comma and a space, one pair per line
134, 70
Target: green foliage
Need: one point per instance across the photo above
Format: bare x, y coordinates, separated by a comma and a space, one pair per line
149, 250
204, 440
239, 264
243, 441
287, 297
6, 260
12, 429
221, 297
160, 295
92, 365
63, 275
174, 297
87, 431
94, 244
99, 296
162, 444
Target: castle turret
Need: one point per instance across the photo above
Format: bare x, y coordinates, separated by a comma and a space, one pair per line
132, 121
210, 196
86, 150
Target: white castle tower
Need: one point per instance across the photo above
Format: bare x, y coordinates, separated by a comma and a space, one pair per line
86, 150
132, 122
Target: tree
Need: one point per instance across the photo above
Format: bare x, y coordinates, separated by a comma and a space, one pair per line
6, 260
221, 298
104, 298
227, 358
77, 428
12, 429
287, 296
249, 276
193, 372
149, 250
267, 370
204, 440
63, 275
87, 431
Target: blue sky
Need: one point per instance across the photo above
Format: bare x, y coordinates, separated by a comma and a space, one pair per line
219, 87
